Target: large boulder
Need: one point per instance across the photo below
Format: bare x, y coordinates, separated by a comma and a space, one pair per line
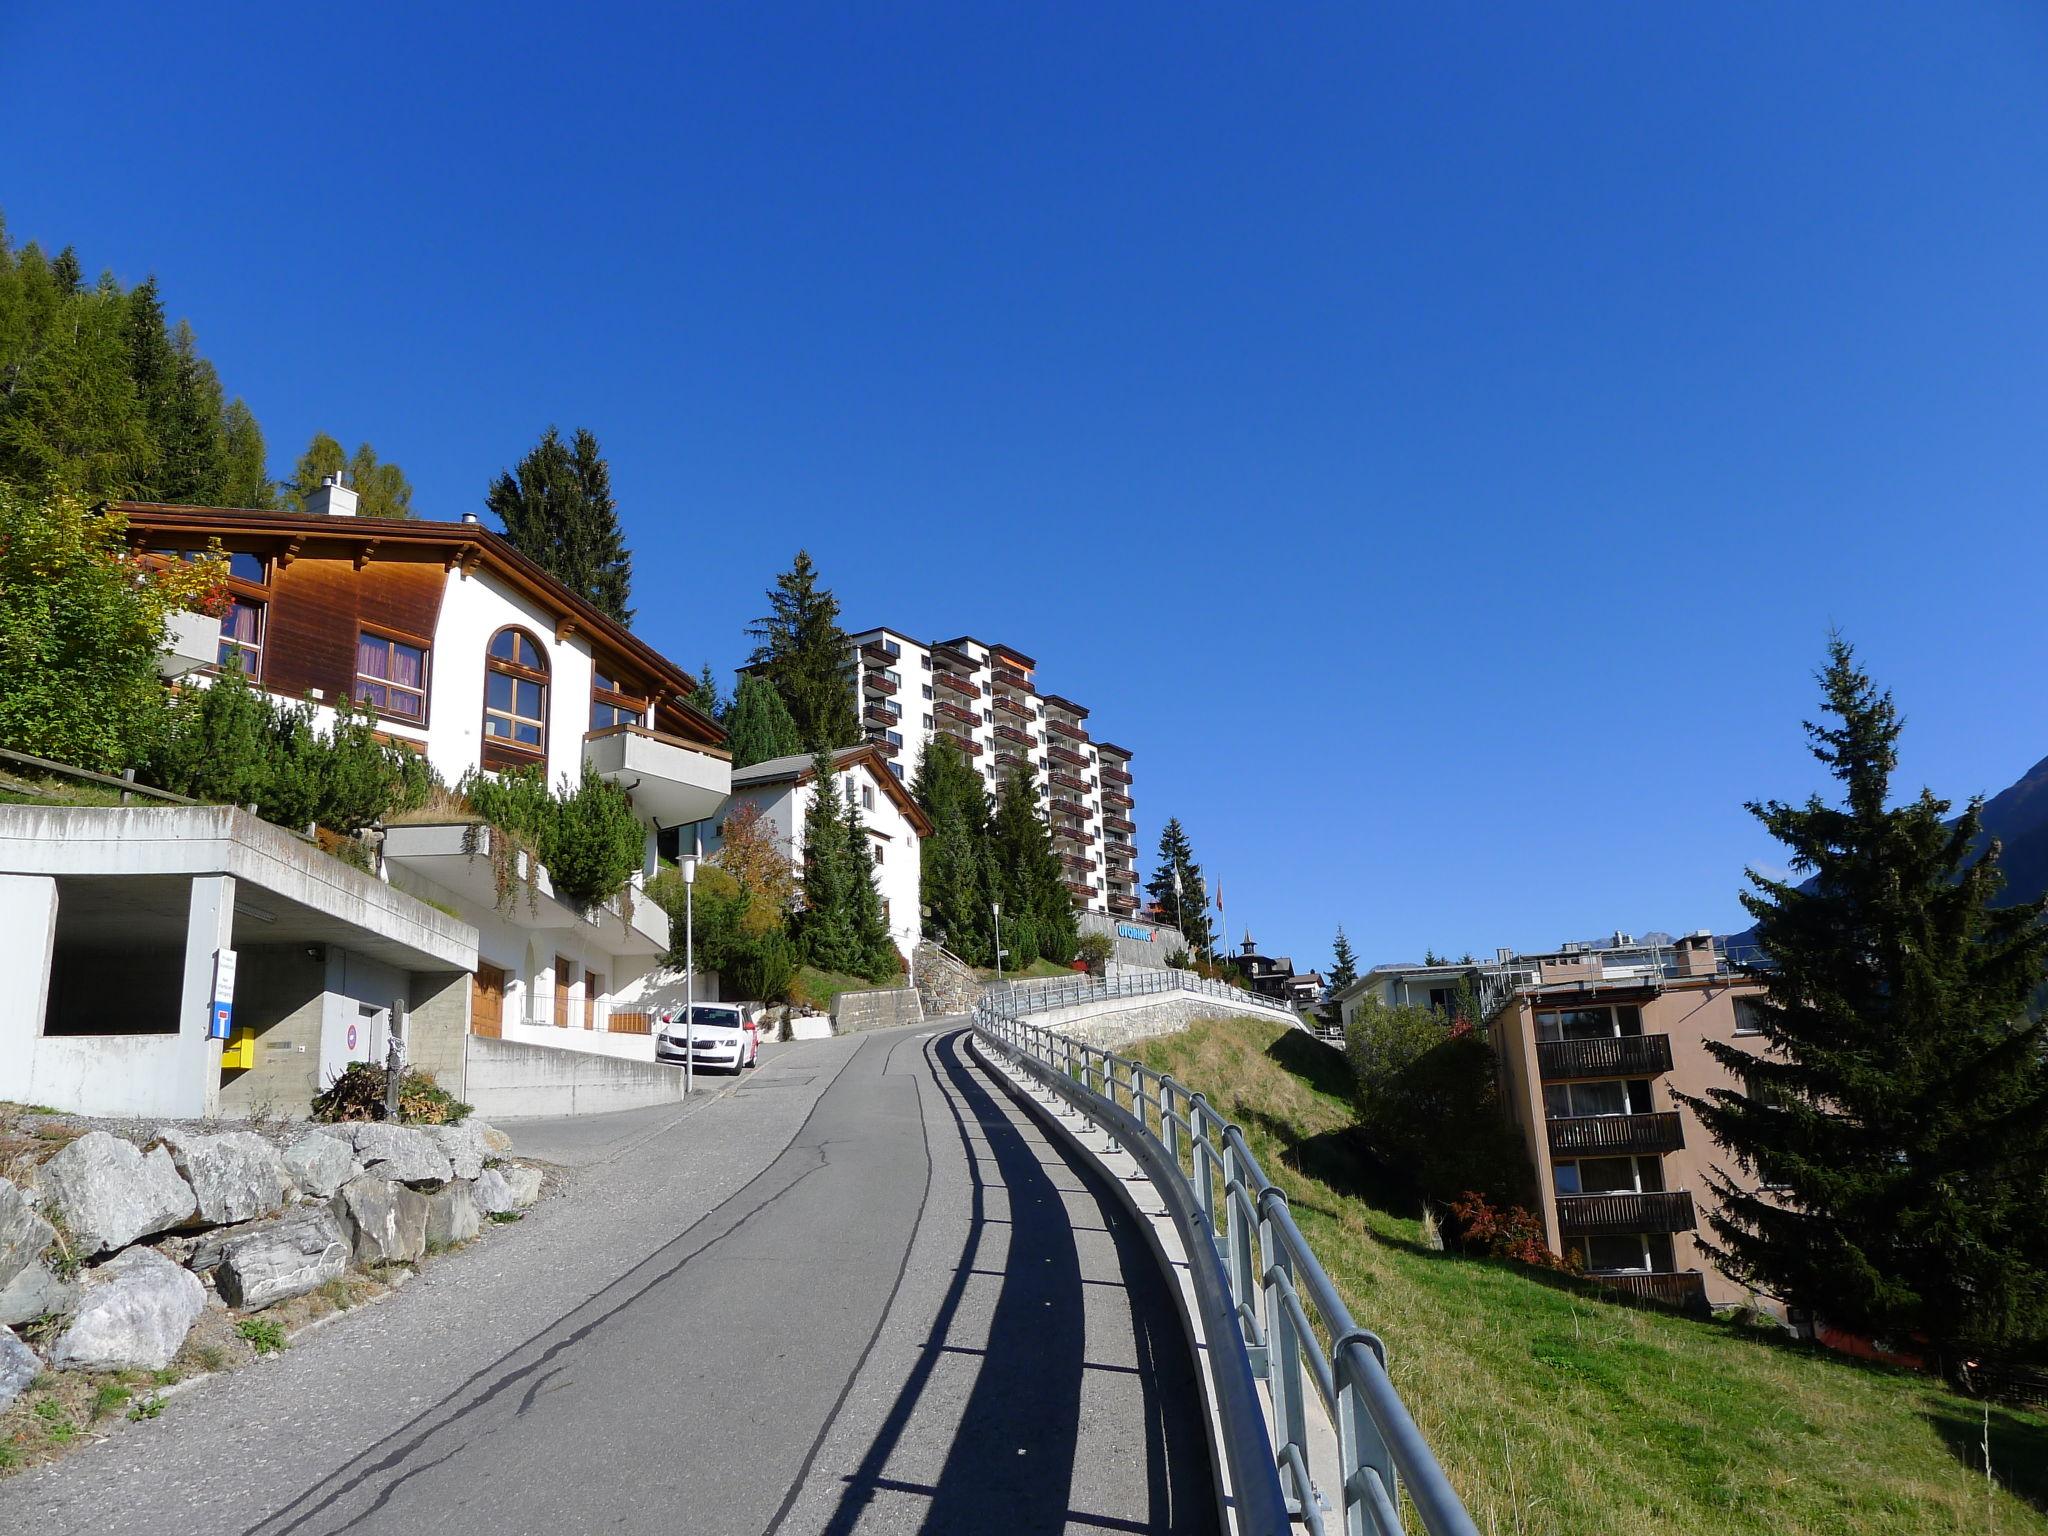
289, 1255
136, 1310
508, 1187
18, 1367
235, 1177
110, 1194
388, 1220
464, 1146
452, 1214
320, 1164
402, 1152
34, 1293
23, 1234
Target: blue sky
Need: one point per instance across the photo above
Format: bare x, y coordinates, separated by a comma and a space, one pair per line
1436, 442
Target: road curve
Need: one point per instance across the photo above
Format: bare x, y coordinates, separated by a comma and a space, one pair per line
859, 1293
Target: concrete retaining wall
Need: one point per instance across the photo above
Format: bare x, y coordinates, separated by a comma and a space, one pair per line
1133, 942
854, 1013
508, 1077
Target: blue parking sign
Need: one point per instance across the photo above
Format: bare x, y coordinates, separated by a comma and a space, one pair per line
221, 1025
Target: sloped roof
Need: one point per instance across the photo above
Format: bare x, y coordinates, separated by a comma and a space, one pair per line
798, 770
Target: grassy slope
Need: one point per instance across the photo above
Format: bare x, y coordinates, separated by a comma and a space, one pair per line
1557, 1412
1035, 968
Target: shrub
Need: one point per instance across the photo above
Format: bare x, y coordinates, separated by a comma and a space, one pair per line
358, 1094
1177, 959
1094, 950
1504, 1234
585, 834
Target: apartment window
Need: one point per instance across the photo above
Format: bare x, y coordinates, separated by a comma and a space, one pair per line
927, 722
1640, 1252
241, 636
391, 677
1608, 1175
516, 694
1589, 1023
1567, 1101
880, 849
926, 663
1748, 1021
867, 797
927, 694
897, 769
611, 704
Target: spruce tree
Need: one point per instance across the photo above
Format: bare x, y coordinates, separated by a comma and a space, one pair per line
1898, 1110
245, 461
824, 926
557, 509
1177, 886
869, 924
800, 648
758, 726
954, 862
1038, 911
705, 697
1344, 967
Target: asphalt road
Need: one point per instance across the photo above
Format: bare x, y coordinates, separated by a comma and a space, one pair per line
857, 1292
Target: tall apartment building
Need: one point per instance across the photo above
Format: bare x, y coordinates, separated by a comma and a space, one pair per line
983, 698
1594, 1043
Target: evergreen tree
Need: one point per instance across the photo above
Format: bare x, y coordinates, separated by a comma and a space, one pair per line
1899, 1108
1177, 886
245, 462
953, 874
1038, 912
758, 726
705, 698
868, 923
825, 928
380, 486
800, 648
558, 511
1344, 968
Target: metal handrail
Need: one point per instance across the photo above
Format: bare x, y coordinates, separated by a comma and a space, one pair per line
1041, 993
1280, 1301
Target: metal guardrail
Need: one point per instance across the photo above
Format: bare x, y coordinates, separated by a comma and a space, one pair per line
1059, 991
1272, 1296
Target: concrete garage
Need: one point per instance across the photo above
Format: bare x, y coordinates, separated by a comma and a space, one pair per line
122, 914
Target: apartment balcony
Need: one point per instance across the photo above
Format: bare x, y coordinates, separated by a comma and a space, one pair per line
879, 713
1623, 1056
1685, 1290
1583, 1135
671, 780
879, 682
883, 744
1014, 708
1075, 835
1068, 781
1011, 733
958, 685
966, 717
882, 653
192, 641
1010, 678
1668, 1210
946, 656
1077, 864
1119, 823
456, 856
1080, 891
1115, 775
961, 739
1066, 728
1069, 808
1123, 905
1122, 876
1112, 800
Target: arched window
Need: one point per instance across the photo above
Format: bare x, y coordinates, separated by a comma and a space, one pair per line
516, 697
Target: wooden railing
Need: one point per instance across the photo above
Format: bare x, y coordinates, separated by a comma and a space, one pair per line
629, 1024
1686, 1290
1581, 1134
1615, 1056
1665, 1210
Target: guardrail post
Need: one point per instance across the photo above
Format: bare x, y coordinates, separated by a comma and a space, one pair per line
1361, 1449
1237, 1232
1283, 1359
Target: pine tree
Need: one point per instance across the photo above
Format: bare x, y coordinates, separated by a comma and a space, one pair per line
1344, 967
954, 884
869, 924
558, 511
824, 926
800, 648
380, 486
705, 698
1899, 1110
758, 726
1178, 888
1038, 911
246, 463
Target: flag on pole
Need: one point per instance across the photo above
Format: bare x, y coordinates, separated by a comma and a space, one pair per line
1219, 895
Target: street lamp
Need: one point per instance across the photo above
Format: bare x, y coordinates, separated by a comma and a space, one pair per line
689, 973
997, 908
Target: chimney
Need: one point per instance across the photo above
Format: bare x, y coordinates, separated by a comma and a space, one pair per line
333, 499
471, 518
1696, 955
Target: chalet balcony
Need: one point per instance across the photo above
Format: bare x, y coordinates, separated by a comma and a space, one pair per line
1014, 708
1069, 808
1687, 1290
1067, 729
1581, 1135
961, 739
1060, 754
1115, 775
1118, 823
1111, 799
958, 685
1011, 733
1068, 781
1622, 1056
881, 653
879, 682
1125, 905
1013, 679
672, 780
946, 711
1668, 1210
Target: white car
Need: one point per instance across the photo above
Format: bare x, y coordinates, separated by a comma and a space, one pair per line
718, 1035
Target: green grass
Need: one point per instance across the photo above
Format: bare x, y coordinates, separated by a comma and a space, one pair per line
1555, 1411
264, 1334
1035, 968
824, 987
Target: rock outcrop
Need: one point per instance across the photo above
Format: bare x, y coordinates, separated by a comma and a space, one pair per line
110, 1194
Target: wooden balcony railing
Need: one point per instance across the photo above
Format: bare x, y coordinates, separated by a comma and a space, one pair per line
1068, 781
1066, 728
1069, 808
1061, 754
958, 685
1011, 707
1619, 1056
1111, 798
1667, 1210
961, 739
883, 714
1583, 1134
1119, 824
877, 682
1013, 679
1011, 733
1686, 1291
879, 654
1115, 775
1124, 904
947, 711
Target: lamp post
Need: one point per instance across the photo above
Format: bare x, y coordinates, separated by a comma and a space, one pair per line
689, 973
997, 908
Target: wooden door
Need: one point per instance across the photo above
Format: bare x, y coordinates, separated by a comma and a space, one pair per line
565, 971
487, 1002
593, 989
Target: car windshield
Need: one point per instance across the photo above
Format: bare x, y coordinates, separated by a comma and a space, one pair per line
715, 1018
